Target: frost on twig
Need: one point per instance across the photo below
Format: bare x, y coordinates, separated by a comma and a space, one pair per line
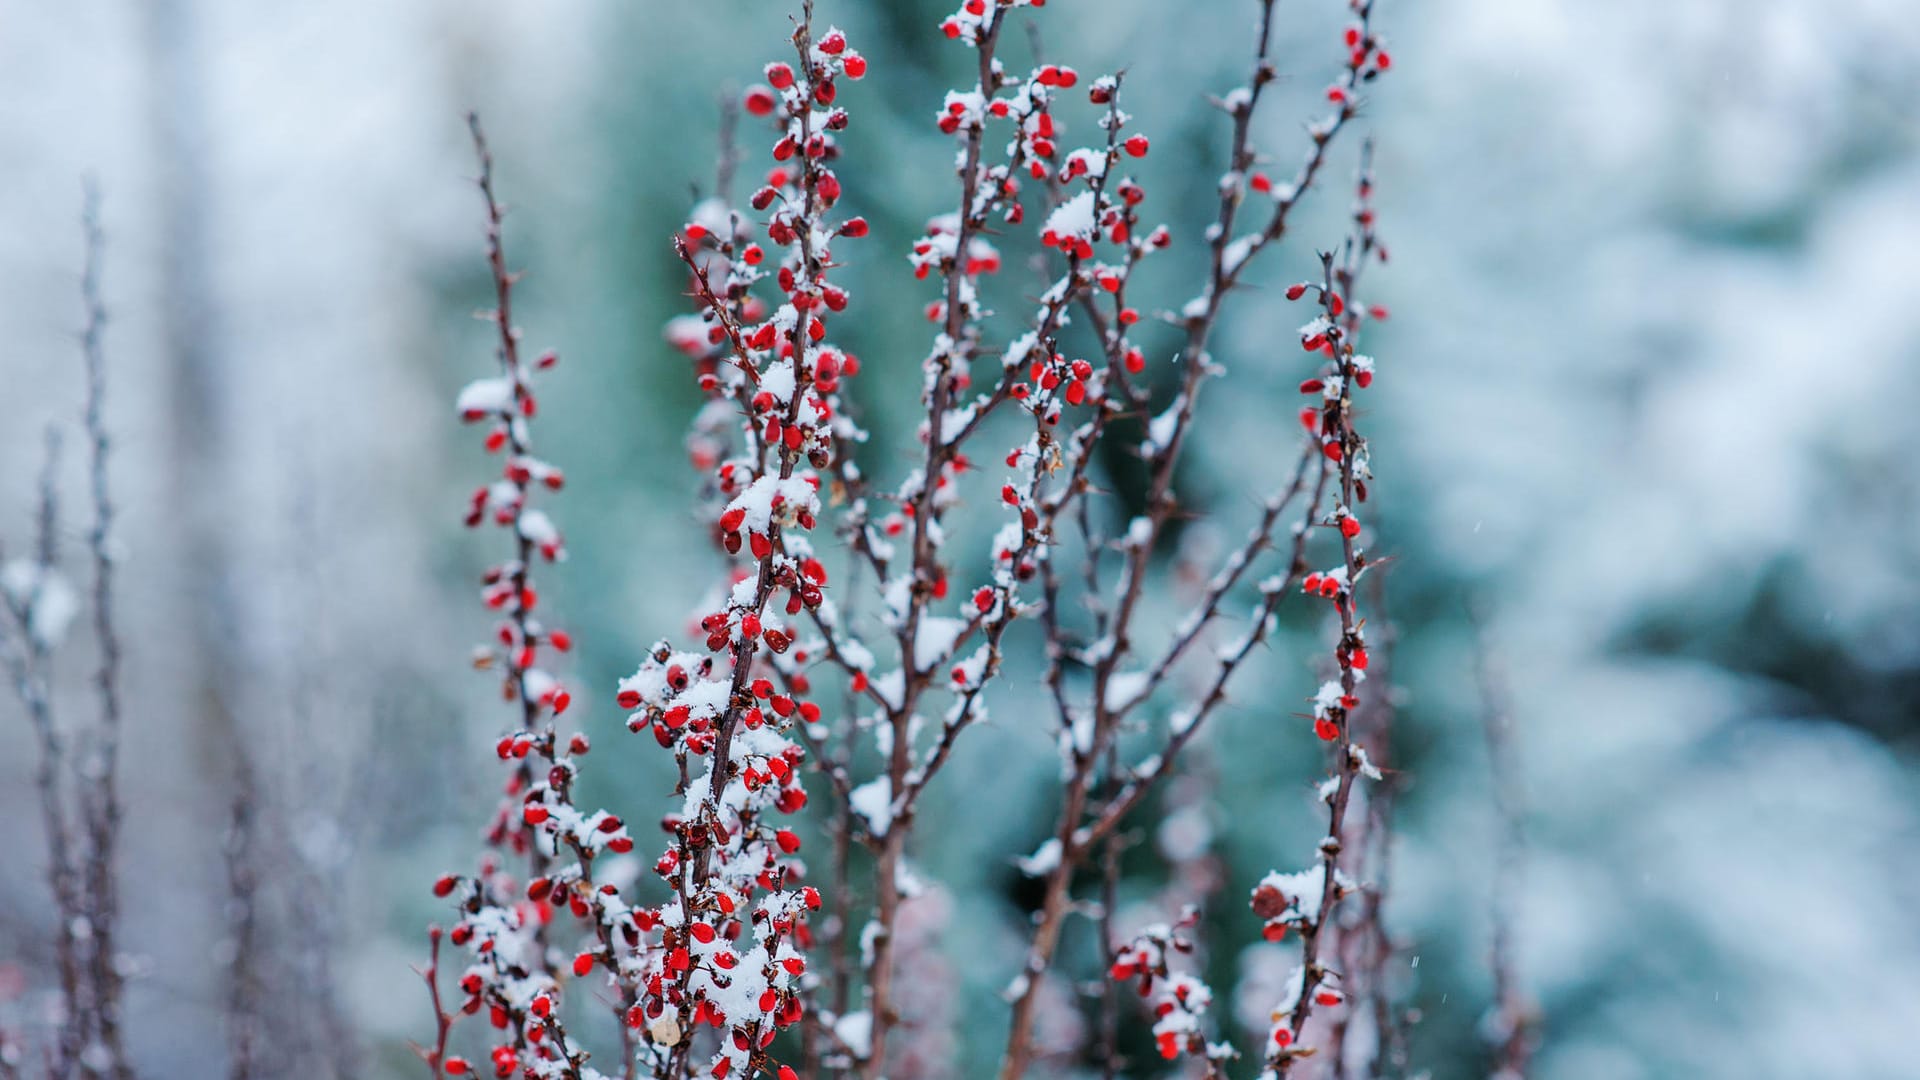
78, 770
847, 636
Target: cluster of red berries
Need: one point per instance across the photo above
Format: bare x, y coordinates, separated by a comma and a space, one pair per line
1179, 1001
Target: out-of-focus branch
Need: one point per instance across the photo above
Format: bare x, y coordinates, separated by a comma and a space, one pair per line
26, 643
1511, 1024
101, 770
245, 987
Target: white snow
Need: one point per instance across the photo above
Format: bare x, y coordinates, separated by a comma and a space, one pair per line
873, 801
1044, 859
481, 396
1075, 217
935, 640
49, 601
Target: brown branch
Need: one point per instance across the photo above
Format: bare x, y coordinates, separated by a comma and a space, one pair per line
1365, 947
1350, 451
101, 796
245, 985
1513, 1031
925, 561
28, 662
436, 1055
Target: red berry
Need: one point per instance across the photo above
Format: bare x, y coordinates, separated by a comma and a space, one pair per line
759, 101
1349, 527
1137, 146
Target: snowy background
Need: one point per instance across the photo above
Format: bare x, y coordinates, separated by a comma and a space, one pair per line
1647, 394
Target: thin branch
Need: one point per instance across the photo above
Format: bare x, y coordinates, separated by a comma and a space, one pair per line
26, 649
101, 794
1512, 1029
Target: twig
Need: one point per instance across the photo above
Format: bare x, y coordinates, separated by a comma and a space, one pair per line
244, 987
1229, 258
436, 1055
1511, 1027
28, 662
101, 794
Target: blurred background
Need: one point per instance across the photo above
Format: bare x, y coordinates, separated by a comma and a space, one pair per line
1647, 396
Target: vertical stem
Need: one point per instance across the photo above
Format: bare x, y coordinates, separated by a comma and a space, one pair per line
1109, 1049
28, 663
101, 795
1513, 1033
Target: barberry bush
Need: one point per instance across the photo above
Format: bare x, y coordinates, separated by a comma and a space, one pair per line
850, 643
